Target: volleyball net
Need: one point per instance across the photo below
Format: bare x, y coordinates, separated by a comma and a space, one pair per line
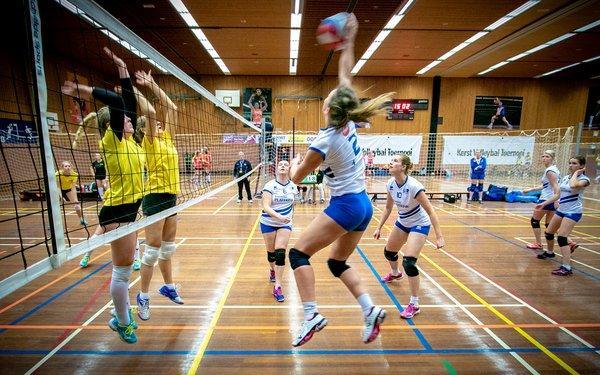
69, 143
441, 161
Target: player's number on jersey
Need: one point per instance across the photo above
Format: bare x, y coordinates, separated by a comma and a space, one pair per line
355, 147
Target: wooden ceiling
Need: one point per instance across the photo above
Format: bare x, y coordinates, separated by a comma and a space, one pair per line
252, 37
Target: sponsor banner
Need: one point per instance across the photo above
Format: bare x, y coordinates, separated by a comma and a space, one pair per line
499, 150
384, 147
239, 139
296, 138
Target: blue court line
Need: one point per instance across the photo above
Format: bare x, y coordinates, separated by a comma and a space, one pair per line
520, 246
389, 292
458, 351
55, 296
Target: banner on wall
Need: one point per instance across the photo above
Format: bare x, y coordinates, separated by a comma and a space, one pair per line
384, 147
459, 149
240, 139
296, 138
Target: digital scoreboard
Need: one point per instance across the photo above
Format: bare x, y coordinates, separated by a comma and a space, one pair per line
404, 109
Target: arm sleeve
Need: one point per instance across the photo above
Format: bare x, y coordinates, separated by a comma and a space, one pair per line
116, 108
418, 187
235, 169
473, 165
484, 164
249, 166
129, 100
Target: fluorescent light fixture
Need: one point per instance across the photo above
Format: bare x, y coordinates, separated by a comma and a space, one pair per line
590, 60
358, 66
557, 70
515, 58
560, 38
498, 23
387, 29
431, 65
189, 19
405, 7
191, 22
295, 24
476, 36
588, 26
493, 67
522, 8
480, 35
393, 22
67, 5
537, 48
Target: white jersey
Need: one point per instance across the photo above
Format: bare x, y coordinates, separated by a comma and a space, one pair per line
282, 201
410, 212
343, 163
547, 191
570, 199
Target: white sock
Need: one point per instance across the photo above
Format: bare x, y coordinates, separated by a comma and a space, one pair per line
119, 290
365, 303
414, 301
144, 295
310, 309
170, 286
101, 193
395, 272
567, 266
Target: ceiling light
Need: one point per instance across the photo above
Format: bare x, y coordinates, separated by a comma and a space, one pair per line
557, 70
590, 60
588, 26
295, 24
405, 7
191, 22
481, 34
560, 38
493, 67
358, 66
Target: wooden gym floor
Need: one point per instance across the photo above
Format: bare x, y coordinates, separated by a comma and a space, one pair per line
488, 305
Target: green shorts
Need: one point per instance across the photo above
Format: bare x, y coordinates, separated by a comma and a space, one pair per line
154, 203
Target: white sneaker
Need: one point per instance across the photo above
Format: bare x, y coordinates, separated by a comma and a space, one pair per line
143, 307
490, 126
239, 201
372, 323
317, 323
250, 201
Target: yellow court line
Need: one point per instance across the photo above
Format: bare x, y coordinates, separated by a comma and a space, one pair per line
528, 337
213, 323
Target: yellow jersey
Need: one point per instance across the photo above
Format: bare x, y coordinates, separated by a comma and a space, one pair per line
66, 182
163, 164
124, 161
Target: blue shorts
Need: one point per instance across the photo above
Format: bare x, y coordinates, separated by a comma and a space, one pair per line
548, 207
352, 212
574, 217
477, 175
423, 229
268, 229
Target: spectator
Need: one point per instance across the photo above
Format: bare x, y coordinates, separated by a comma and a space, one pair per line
241, 167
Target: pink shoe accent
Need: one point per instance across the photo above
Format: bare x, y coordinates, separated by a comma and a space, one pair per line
573, 246
562, 271
410, 311
389, 277
535, 246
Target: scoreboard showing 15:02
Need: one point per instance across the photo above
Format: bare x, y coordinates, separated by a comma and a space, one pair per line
404, 109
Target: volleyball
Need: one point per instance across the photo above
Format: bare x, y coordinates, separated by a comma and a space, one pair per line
330, 33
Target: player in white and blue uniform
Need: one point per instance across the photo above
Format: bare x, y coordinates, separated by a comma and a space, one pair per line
570, 211
336, 151
415, 217
550, 192
276, 222
478, 167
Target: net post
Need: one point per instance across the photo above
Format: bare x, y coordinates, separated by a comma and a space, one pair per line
578, 138
47, 159
293, 138
433, 124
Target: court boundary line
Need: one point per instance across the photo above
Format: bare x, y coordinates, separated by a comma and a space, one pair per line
219, 309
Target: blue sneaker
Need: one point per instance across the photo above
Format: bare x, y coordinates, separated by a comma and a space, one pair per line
126, 332
132, 321
278, 294
143, 305
171, 293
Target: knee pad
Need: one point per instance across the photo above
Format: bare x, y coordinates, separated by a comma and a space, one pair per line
167, 249
535, 223
390, 255
473, 187
562, 241
409, 264
337, 267
150, 255
480, 187
549, 236
270, 257
121, 273
279, 257
298, 258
